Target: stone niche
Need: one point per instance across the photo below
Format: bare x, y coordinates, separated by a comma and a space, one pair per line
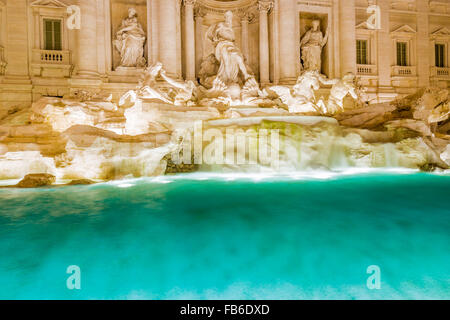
252, 56
119, 11
306, 19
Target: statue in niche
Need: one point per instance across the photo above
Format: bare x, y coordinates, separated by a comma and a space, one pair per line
311, 46
130, 41
232, 69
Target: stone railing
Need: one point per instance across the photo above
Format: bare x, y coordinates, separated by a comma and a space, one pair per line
51, 63
440, 72
51, 56
404, 71
366, 69
2, 62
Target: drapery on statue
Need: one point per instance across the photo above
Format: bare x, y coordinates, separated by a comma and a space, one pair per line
130, 41
311, 45
232, 67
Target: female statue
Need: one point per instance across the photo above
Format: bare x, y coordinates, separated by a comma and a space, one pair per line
130, 41
311, 44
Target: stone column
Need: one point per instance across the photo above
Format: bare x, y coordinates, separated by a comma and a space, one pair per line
168, 36
101, 43
87, 39
288, 41
17, 39
189, 39
154, 22
423, 44
199, 14
149, 34
16, 87
347, 34
264, 64
245, 18
37, 28
1, 22
385, 44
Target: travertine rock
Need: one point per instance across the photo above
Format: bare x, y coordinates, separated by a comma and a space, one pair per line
37, 180
80, 182
99, 139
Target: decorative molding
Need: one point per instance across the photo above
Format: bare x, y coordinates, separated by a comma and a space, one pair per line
265, 5
220, 7
246, 15
404, 29
316, 3
199, 11
189, 2
409, 5
442, 7
440, 33
48, 4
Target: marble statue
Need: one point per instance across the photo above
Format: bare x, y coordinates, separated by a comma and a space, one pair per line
179, 93
340, 89
147, 85
130, 41
208, 71
311, 46
182, 93
232, 68
302, 98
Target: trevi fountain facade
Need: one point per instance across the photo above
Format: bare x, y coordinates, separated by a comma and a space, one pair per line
96, 90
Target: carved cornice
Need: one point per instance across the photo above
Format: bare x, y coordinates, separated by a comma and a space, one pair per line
317, 3
220, 7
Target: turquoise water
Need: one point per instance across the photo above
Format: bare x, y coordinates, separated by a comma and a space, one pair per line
191, 238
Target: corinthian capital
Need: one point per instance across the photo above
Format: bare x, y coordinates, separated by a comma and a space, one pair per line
189, 2
246, 15
265, 5
199, 11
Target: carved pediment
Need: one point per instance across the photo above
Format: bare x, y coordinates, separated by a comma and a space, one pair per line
442, 32
49, 4
404, 29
